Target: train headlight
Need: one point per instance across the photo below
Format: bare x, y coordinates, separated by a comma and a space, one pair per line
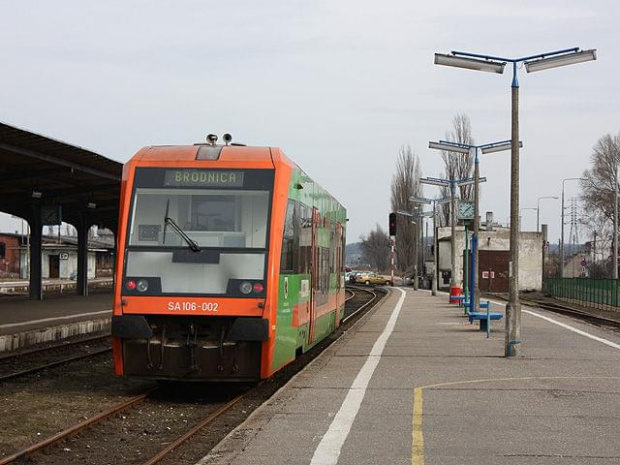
245, 287
131, 285
142, 285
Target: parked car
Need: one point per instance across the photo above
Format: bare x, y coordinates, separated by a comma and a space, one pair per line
372, 278
352, 276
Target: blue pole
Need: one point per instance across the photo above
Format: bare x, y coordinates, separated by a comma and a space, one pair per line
474, 278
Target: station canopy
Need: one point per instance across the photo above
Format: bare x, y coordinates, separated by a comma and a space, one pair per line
69, 183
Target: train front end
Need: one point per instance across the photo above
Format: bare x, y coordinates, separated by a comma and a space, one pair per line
192, 281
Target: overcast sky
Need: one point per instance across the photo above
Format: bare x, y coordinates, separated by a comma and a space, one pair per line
340, 85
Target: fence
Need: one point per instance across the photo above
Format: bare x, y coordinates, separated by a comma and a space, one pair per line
599, 293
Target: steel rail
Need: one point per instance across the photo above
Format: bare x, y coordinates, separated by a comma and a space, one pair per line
36, 350
566, 310
374, 297
52, 364
558, 308
185, 437
75, 429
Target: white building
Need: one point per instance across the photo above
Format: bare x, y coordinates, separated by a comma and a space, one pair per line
493, 267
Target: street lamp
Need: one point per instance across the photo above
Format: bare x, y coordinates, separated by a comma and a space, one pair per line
496, 64
452, 184
474, 150
423, 200
538, 210
416, 242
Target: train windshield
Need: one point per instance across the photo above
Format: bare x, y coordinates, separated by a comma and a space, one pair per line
195, 230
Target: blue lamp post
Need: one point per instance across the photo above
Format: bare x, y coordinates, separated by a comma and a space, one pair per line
475, 151
452, 184
435, 202
495, 64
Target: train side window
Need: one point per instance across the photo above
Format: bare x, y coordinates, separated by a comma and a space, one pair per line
343, 237
290, 239
2, 250
305, 239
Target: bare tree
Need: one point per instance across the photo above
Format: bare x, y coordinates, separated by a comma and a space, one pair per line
598, 182
406, 184
598, 186
376, 248
458, 165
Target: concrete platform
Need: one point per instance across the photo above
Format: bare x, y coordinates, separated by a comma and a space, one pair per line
25, 322
433, 389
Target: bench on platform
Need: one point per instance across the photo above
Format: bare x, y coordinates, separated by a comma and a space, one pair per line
467, 304
484, 318
459, 298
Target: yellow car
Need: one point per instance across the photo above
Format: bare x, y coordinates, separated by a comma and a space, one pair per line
372, 278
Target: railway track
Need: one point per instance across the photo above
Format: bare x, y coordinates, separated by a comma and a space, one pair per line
75, 429
126, 423
112, 412
361, 304
557, 307
35, 360
568, 310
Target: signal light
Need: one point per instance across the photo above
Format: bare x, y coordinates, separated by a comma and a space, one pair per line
392, 224
131, 285
258, 288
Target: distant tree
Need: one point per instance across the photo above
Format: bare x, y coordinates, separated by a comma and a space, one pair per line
458, 165
406, 184
598, 181
376, 248
597, 187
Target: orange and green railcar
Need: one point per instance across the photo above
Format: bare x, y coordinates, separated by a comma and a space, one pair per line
230, 262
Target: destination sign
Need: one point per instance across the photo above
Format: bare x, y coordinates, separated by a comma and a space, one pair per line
203, 178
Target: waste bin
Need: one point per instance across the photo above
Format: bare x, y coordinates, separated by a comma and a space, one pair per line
454, 291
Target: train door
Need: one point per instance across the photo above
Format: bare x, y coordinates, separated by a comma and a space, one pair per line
314, 275
338, 268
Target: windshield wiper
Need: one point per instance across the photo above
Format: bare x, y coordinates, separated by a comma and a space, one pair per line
175, 227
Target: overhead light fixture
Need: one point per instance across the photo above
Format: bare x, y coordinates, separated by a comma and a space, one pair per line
470, 63
434, 182
420, 200
560, 60
91, 205
37, 194
448, 146
499, 147
469, 182
401, 212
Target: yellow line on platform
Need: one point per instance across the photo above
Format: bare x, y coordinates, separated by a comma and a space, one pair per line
417, 447
417, 450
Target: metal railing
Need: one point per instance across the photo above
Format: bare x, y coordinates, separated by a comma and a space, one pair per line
598, 293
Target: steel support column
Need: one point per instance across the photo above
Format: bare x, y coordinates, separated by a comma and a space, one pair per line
82, 271
36, 241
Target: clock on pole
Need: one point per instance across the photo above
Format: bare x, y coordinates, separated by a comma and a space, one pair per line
466, 210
